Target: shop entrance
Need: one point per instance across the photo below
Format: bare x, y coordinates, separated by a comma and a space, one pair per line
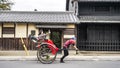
55, 36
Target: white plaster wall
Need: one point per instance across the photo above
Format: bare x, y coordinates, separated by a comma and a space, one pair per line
32, 27
8, 35
71, 26
8, 25
21, 30
69, 36
72, 7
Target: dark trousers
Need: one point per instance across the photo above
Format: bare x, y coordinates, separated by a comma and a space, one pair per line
66, 53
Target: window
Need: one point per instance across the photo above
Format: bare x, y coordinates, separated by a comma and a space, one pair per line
8, 30
32, 32
117, 9
102, 9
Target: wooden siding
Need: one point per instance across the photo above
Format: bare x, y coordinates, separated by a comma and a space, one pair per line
15, 44
0, 30
69, 32
99, 37
98, 8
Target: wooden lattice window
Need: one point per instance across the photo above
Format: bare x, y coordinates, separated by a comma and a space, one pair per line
8, 30
117, 9
102, 8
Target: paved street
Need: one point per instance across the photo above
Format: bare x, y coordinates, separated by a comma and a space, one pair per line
82, 60
68, 64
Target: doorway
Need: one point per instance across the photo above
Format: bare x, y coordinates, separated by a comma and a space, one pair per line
55, 36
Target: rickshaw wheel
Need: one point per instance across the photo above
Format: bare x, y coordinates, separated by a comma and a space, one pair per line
44, 55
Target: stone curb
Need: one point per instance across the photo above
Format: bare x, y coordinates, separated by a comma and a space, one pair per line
71, 58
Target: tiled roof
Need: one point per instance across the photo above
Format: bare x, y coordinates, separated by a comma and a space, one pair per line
100, 19
99, 0
38, 17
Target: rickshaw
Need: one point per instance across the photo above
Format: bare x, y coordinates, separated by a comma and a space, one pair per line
46, 49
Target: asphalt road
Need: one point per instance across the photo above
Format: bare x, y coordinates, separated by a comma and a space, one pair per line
56, 64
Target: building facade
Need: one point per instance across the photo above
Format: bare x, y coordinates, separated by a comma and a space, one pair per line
99, 26
17, 24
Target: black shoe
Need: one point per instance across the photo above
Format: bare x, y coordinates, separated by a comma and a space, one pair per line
62, 62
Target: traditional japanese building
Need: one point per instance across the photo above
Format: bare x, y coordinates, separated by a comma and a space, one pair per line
99, 26
17, 24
